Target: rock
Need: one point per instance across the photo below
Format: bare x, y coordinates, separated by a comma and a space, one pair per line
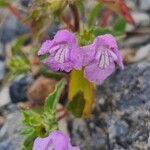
4, 96
1, 50
121, 117
40, 89
145, 5
135, 41
87, 135
18, 89
10, 138
2, 69
132, 55
10, 29
53, 29
25, 3
142, 54
141, 19
2, 120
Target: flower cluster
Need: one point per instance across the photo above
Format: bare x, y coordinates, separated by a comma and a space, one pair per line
98, 60
55, 141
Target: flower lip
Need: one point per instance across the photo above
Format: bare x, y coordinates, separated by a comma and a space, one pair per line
62, 52
55, 141
102, 64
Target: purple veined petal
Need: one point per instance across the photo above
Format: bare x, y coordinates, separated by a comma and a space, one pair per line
55, 66
96, 74
119, 58
64, 35
62, 52
87, 53
55, 141
45, 47
106, 40
71, 42
104, 57
60, 141
109, 42
42, 143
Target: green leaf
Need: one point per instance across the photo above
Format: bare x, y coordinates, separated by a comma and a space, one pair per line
52, 100
120, 25
31, 118
86, 37
3, 3
18, 65
94, 14
77, 104
101, 31
81, 7
49, 122
18, 44
49, 74
28, 141
78, 83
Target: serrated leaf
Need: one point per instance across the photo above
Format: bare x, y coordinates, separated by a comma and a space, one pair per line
31, 118
77, 104
78, 83
28, 141
52, 100
120, 25
93, 14
49, 122
101, 31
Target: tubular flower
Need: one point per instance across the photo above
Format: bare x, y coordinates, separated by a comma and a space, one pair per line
100, 58
55, 141
62, 52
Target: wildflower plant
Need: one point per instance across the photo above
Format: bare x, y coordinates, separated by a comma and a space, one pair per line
85, 50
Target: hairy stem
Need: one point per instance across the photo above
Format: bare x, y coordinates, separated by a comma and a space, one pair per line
75, 13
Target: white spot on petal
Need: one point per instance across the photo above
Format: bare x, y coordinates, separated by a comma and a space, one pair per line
62, 54
105, 57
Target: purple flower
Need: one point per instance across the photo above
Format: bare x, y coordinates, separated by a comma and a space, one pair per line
100, 58
62, 52
55, 141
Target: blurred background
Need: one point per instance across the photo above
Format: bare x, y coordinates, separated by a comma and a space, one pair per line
121, 115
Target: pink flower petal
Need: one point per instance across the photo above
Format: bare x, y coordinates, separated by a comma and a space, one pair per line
55, 141
62, 52
45, 47
96, 74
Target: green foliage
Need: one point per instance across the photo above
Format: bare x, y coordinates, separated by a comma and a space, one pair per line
86, 37
52, 100
81, 7
120, 25
50, 74
19, 63
4, 3
81, 91
41, 15
39, 123
93, 14
18, 66
102, 31
77, 104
